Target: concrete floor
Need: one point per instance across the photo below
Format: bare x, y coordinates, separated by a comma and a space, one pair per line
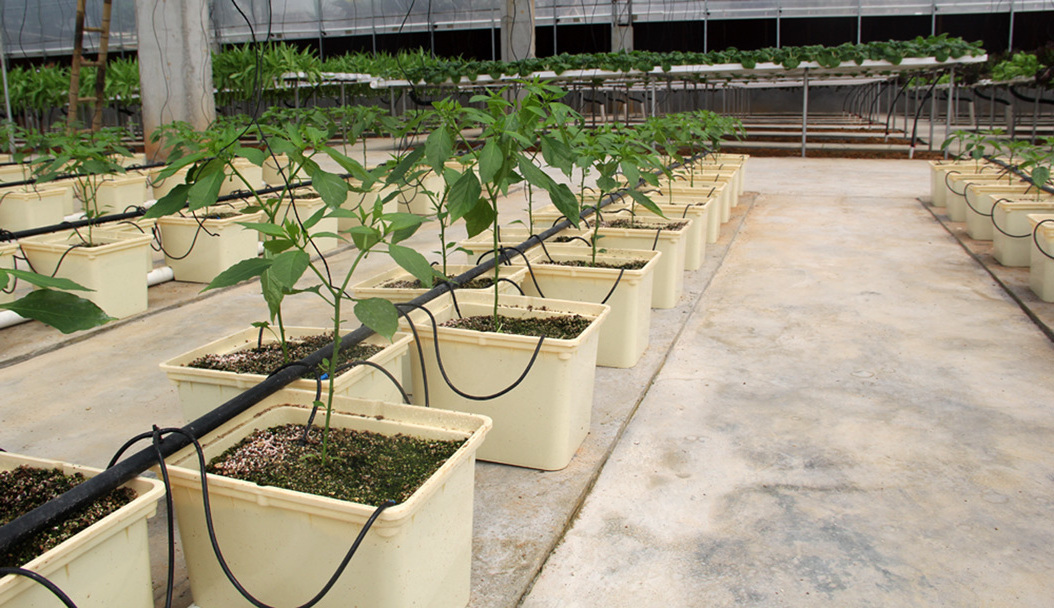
855, 415
844, 409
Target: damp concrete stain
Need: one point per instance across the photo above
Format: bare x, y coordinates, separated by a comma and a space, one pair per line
775, 540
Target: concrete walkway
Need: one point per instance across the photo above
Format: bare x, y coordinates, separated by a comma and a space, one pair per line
855, 415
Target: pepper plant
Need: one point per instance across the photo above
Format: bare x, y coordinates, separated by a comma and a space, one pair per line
90, 157
507, 120
289, 250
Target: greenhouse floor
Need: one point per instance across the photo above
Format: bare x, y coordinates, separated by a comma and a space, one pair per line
844, 409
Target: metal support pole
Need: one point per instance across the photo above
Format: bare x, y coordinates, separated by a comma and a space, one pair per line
1035, 115
706, 25
318, 13
373, 25
933, 114
804, 109
991, 109
779, 14
951, 95
859, 20
1010, 37
555, 20
907, 109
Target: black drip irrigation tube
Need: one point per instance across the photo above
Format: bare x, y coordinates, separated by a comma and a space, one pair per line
6, 235
122, 471
1037, 99
1035, 238
1018, 172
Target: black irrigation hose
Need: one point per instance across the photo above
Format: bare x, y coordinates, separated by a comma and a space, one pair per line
618, 280
918, 113
576, 238
1035, 238
343, 367
948, 185
893, 105
1037, 99
999, 228
58, 265
513, 283
40, 579
991, 98
1018, 172
102, 219
966, 196
210, 527
442, 369
98, 485
525, 260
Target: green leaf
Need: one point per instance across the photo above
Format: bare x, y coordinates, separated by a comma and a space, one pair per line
402, 226
273, 294
254, 155
378, 314
364, 237
265, 228
566, 202
63, 311
479, 219
277, 245
413, 262
463, 196
533, 174
332, 189
557, 154
438, 148
398, 173
242, 271
42, 280
1040, 176
287, 268
349, 164
170, 203
631, 171
490, 162
205, 191
643, 200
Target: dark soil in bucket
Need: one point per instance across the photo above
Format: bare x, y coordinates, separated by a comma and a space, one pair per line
631, 265
632, 223
477, 283
25, 488
218, 216
564, 327
363, 467
267, 358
